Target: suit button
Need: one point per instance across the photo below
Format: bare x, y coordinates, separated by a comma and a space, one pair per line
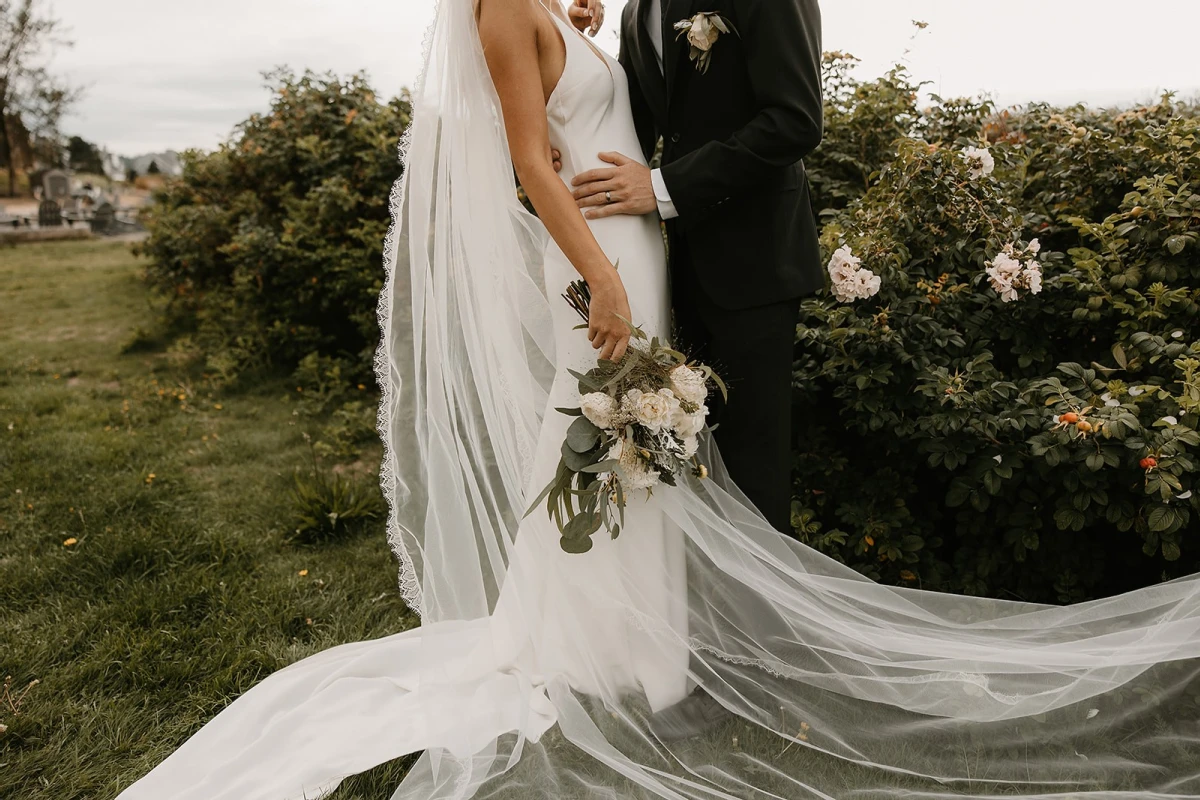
675, 137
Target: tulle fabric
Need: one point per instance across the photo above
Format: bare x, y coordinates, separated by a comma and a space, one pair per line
838, 687
532, 677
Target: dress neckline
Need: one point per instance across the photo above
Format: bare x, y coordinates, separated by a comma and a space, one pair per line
596, 51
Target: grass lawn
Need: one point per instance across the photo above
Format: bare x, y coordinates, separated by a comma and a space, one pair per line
145, 575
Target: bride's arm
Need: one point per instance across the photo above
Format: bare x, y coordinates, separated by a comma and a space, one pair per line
508, 29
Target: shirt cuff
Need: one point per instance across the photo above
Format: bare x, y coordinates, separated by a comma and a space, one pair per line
666, 208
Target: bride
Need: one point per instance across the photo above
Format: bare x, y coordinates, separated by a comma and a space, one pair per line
538, 674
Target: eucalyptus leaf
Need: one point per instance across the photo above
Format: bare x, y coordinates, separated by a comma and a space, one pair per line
582, 436
576, 546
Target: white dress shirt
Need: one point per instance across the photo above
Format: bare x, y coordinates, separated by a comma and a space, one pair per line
654, 24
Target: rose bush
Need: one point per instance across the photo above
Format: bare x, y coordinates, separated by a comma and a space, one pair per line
978, 413
1014, 412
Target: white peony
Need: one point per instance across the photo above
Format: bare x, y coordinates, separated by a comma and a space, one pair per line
599, 409
686, 425
650, 409
689, 385
979, 161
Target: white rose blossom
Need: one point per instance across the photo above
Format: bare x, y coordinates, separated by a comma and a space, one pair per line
702, 34
599, 409
689, 385
1009, 271
650, 409
850, 280
979, 161
672, 401
686, 425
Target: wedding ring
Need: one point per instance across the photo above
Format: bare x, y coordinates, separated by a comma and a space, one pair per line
608, 197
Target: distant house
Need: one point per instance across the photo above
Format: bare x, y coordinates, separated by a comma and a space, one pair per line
114, 165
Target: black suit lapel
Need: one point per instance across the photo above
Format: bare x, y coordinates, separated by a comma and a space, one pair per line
674, 47
645, 64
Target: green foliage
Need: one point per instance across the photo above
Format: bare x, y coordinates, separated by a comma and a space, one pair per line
270, 248
178, 592
328, 506
84, 156
1046, 447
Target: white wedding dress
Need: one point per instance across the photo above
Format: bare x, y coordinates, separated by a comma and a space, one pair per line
533, 672
297, 733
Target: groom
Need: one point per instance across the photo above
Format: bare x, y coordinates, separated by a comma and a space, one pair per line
732, 189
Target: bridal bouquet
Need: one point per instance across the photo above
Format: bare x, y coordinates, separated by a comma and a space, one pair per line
637, 426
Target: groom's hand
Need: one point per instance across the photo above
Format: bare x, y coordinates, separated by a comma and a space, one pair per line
624, 188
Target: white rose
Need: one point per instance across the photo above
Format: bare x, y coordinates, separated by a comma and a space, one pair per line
703, 34
859, 286
1006, 265
850, 280
1033, 277
689, 384
979, 161
687, 425
599, 409
843, 265
668, 396
868, 283
650, 410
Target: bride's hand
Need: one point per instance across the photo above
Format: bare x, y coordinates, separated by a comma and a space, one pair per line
586, 15
609, 308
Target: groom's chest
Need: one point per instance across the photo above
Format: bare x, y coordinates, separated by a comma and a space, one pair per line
664, 54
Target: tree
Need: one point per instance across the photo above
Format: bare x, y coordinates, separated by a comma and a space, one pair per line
84, 156
153, 168
31, 98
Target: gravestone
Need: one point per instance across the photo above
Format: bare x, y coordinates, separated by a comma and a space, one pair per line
49, 214
56, 186
104, 220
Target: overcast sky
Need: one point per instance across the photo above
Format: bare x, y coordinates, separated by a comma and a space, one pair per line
169, 74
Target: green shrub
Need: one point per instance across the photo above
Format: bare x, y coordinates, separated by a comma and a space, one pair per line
271, 247
1045, 447
936, 445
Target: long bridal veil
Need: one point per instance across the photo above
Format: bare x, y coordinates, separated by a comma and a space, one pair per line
838, 687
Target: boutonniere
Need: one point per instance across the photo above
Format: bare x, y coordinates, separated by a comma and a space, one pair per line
702, 32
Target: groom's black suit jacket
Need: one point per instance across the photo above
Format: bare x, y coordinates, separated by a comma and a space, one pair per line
733, 142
